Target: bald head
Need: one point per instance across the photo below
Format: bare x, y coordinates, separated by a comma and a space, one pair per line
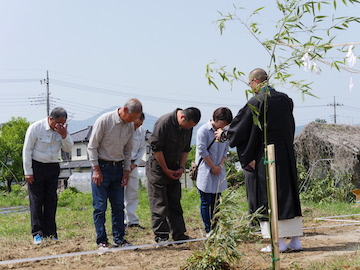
257, 77
259, 74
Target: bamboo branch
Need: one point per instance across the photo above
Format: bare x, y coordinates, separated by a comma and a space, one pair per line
314, 46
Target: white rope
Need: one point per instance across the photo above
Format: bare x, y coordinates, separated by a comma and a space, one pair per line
98, 251
136, 247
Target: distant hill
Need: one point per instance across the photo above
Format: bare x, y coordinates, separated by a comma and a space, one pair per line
298, 129
76, 125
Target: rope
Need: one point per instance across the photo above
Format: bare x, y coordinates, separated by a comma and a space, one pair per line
136, 247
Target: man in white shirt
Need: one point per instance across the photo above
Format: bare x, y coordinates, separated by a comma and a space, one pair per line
43, 141
131, 189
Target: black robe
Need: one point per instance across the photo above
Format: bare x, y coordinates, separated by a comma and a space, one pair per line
249, 141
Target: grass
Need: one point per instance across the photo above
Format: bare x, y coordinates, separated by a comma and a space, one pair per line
74, 219
74, 214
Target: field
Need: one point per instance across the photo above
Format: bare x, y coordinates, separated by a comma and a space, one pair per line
326, 245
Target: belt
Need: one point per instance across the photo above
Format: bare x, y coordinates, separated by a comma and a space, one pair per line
113, 163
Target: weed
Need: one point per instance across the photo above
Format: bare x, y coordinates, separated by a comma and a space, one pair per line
232, 228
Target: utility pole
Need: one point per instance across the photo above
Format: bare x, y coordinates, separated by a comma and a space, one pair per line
47, 94
334, 105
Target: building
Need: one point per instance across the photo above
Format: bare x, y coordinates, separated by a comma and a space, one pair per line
77, 164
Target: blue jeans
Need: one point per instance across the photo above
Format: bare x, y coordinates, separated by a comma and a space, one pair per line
110, 189
209, 201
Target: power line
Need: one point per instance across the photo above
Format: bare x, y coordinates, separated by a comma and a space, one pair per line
18, 80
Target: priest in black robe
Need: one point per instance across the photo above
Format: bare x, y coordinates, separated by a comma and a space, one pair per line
245, 134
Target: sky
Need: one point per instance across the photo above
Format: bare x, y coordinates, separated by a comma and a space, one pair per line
98, 54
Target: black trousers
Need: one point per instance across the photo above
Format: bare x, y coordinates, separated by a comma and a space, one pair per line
43, 198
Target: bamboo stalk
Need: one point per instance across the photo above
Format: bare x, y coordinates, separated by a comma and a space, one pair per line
273, 210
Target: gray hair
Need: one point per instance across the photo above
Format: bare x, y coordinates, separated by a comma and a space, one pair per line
133, 105
58, 112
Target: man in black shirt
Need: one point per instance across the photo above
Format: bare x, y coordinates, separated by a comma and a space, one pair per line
170, 144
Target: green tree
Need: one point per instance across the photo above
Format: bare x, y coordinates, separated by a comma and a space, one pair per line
191, 156
234, 177
303, 35
12, 135
318, 120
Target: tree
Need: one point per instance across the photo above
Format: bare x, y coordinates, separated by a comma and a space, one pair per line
191, 156
305, 35
318, 120
12, 135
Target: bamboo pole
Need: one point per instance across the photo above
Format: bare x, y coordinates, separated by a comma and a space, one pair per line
273, 209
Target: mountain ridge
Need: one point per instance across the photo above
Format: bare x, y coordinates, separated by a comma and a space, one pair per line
76, 125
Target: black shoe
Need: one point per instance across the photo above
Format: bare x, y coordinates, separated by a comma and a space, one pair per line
183, 237
135, 226
122, 243
162, 241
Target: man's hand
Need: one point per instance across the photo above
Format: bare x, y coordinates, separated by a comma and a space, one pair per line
29, 178
132, 166
61, 129
97, 176
252, 164
178, 173
174, 174
125, 178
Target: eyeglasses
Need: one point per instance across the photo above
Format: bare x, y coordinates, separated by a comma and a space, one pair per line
253, 79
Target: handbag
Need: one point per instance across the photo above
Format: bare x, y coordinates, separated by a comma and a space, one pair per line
193, 171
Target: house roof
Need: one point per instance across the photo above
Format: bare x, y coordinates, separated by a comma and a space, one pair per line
82, 135
75, 164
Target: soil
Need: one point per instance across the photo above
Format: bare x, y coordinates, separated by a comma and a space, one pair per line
326, 242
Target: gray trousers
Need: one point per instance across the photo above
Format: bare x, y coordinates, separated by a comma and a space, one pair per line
166, 211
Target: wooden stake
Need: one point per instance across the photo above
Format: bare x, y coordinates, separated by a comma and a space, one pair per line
273, 211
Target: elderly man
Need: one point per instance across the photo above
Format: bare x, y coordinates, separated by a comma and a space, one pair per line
170, 144
109, 151
43, 141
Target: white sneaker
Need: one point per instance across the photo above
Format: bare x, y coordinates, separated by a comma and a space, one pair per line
103, 246
37, 239
208, 234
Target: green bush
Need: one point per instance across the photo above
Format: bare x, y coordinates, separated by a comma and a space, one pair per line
74, 199
219, 250
18, 196
330, 189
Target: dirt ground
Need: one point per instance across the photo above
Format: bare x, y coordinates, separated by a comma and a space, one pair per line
320, 244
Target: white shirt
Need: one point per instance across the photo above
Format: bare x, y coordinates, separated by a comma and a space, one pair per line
43, 144
138, 149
